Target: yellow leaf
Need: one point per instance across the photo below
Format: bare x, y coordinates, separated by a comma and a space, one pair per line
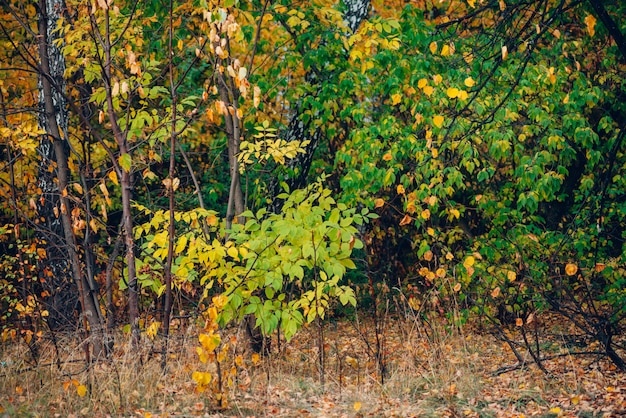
430, 231
209, 342
78, 188
396, 98
201, 378
445, 51
232, 251
452, 92
220, 301
566, 99
357, 406
103, 189
441, 272
555, 410
463, 95
575, 400
437, 78
590, 21
469, 261
425, 214
429, 90
422, 83
469, 82
202, 355
400, 189
378, 203
433, 47
511, 275
455, 213
449, 256
428, 255
81, 390
438, 121
152, 330
571, 269
472, 3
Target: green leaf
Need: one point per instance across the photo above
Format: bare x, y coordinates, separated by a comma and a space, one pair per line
125, 162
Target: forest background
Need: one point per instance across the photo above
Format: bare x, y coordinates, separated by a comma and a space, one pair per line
247, 172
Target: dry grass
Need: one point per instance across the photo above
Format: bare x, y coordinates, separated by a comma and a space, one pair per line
430, 371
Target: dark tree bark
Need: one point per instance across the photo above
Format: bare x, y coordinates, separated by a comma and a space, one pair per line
62, 302
610, 26
65, 276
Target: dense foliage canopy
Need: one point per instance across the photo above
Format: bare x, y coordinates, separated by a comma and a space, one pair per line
275, 160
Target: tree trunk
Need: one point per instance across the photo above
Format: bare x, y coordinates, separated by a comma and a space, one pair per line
69, 282
125, 173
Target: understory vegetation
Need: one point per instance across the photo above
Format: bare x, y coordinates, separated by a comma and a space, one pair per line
276, 207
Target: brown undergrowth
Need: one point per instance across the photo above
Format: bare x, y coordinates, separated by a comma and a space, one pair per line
430, 369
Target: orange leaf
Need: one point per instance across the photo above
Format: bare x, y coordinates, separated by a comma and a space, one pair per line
438, 121
255, 359
571, 269
590, 21
519, 322
406, 220
379, 203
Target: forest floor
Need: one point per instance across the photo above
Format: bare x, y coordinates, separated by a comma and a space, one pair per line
430, 371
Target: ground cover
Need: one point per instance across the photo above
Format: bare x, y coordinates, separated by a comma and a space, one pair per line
430, 370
